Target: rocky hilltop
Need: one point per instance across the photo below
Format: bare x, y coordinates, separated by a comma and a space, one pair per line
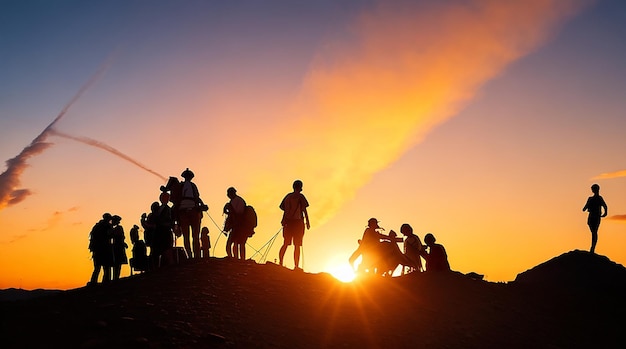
575, 300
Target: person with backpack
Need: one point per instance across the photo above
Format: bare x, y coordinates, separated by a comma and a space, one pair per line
295, 218
102, 252
235, 209
190, 214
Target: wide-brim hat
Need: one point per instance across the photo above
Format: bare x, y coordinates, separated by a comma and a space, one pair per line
187, 174
373, 222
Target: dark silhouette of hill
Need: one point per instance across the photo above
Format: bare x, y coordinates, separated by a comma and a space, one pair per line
12, 294
577, 269
219, 303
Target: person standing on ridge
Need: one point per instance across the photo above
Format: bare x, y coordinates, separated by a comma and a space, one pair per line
119, 246
236, 243
595, 205
295, 217
101, 249
190, 214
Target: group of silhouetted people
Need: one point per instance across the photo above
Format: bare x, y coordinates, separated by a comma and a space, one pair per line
108, 246
179, 213
380, 253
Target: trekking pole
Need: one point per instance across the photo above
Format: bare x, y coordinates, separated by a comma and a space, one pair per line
218, 235
264, 246
267, 251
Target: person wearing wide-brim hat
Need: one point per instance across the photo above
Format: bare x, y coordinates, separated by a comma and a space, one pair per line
190, 214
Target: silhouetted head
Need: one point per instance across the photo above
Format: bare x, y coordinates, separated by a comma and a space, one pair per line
106, 216
154, 207
164, 197
429, 239
297, 185
187, 174
406, 229
134, 234
231, 192
595, 188
116, 219
373, 223
204, 231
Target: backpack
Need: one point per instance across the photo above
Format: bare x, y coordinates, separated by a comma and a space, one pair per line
249, 219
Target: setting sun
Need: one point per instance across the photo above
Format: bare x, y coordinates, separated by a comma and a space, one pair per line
342, 272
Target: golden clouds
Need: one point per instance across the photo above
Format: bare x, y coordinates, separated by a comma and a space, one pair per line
405, 68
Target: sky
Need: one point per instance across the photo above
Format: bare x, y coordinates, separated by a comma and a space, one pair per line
481, 121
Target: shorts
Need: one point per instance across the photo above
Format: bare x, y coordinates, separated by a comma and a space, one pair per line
293, 231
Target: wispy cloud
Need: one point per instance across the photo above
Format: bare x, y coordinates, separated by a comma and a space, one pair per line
618, 217
10, 193
610, 175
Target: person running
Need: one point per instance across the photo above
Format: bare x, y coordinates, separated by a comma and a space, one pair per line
295, 217
597, 210
190, 214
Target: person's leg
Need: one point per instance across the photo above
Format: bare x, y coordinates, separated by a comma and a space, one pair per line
106, 277
296, 256
594, 224
281, 253
594, 238
287, 239
298, 236
195, 231
117, 269
96, 273
185, 226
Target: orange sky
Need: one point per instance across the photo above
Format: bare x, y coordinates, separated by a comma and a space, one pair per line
411, 112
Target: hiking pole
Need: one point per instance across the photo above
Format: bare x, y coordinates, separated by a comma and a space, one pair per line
270, 240
267, 251
219, 235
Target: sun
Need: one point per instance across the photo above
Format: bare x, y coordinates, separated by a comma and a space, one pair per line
342, 272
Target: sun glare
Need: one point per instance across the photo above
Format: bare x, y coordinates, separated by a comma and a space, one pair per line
342, 272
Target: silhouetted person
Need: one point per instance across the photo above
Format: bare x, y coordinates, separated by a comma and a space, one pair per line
148, 222
436, 258
139, 260
119, 247
412, 247
235, 209
369, 247
100, 247
595, 205
190, 214
295, 217
163, 239
206, 242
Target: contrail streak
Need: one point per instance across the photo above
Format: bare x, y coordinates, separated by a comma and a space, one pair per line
106, 147
10, 194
